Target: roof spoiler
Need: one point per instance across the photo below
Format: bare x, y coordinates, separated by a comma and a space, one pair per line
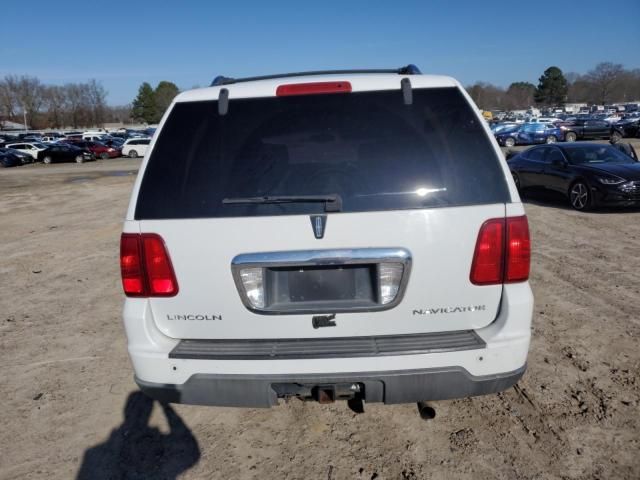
410, 69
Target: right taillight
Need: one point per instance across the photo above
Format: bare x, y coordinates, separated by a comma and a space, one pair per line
503, 252
146, 267
518, 248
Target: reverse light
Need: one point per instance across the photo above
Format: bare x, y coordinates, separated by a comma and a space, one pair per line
145, 266
312, 88
253, 286
503, 252
389, 277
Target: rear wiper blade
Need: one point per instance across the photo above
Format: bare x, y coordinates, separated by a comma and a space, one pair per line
332, 203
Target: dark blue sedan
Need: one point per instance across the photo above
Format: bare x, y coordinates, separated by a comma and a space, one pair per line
530, 134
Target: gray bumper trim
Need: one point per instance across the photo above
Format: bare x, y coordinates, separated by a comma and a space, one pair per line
388, 387
293, 348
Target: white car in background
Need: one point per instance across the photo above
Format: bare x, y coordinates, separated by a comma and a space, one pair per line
32, 148
135, 147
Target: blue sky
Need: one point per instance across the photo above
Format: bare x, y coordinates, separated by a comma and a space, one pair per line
123, 44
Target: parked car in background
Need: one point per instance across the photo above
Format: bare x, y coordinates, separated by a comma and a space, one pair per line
543, 120
114, 142
628, 128
585, 129
32, 148
135, 147
24, 157
507, 137
9, 159
590, 175
542, 132
501, 127
100, 150
93, 137
61, 152
530, 134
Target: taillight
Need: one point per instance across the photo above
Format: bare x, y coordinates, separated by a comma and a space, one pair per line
518, 250
503, 252
146, 267
488, 260
133, 282
312, 88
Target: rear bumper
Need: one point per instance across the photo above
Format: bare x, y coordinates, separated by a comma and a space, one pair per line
257, 391
491, 363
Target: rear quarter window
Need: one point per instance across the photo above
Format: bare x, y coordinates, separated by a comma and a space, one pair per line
368, 147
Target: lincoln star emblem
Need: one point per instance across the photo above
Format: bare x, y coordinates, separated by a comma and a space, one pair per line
318, 223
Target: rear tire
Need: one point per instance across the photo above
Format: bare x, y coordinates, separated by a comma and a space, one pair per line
616, 137
551, 139
509, 142
516, 180
104, 155
133, 154
580, 196
570, 137
47, 160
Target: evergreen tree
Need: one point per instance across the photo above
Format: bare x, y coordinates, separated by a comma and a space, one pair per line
144, 106
552, 87
164, 94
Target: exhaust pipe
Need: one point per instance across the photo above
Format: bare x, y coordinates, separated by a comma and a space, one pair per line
426, 411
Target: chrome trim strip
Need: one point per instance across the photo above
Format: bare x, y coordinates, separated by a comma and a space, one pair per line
303, 258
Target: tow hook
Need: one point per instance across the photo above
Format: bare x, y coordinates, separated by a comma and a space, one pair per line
426, 411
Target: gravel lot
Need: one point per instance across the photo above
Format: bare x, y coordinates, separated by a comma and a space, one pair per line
71, 407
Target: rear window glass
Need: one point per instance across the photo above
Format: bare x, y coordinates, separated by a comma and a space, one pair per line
369, 148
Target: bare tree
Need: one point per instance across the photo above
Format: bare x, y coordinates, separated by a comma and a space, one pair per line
55, 103
96, 96
8, 97
603, 78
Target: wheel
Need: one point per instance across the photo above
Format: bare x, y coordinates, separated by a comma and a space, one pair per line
133, 154
79, 159
616, 137
570, 137
509, 142
551, 139
47, 160
104, 155
580, 196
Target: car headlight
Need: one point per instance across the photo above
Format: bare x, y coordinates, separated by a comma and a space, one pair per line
611, 180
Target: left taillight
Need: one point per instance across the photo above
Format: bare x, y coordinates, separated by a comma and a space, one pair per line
146, 267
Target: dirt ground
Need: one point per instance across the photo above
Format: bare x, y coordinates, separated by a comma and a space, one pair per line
71, 407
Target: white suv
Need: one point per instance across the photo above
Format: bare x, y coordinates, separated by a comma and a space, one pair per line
341, 235
135, 147
31, 148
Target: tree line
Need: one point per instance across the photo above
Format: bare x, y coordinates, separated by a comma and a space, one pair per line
606, 83
56, 106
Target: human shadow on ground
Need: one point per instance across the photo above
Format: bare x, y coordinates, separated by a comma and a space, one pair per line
135, 450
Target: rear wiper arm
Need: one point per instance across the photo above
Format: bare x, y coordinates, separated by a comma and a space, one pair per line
332, 203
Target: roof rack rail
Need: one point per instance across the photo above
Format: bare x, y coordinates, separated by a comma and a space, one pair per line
406, 70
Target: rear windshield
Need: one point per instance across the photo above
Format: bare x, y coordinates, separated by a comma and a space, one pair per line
369, 148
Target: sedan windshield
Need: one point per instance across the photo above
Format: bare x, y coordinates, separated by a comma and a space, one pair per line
591, 155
